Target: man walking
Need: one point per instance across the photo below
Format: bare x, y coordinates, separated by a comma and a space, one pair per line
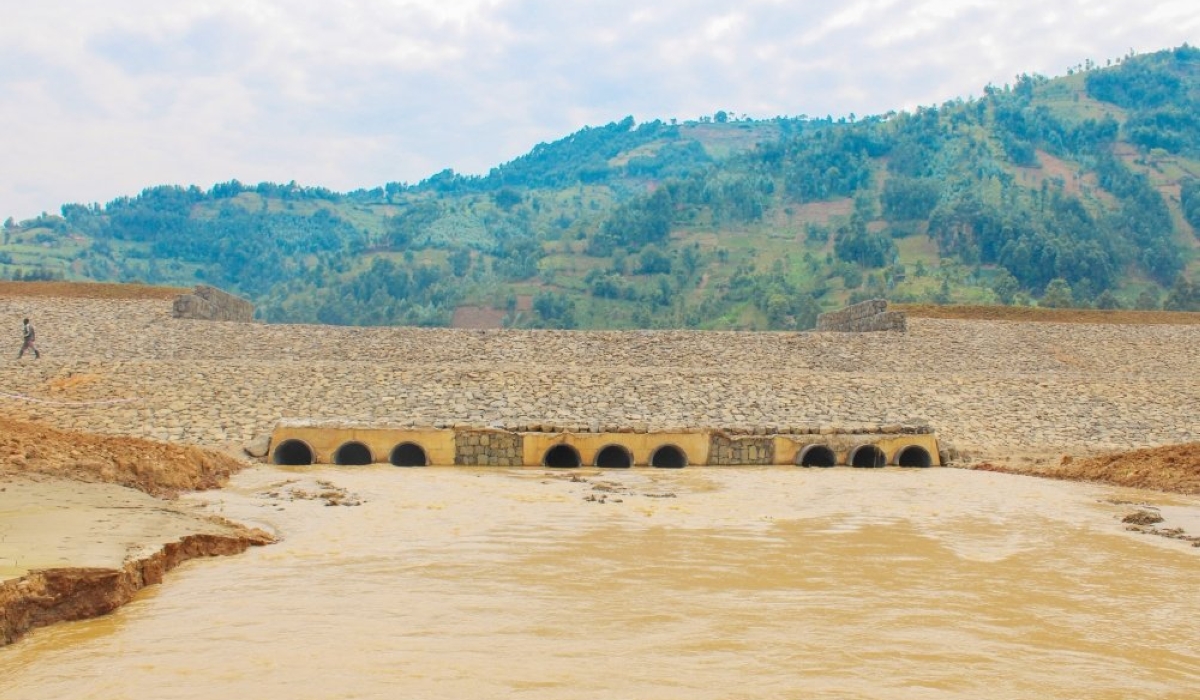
30, 336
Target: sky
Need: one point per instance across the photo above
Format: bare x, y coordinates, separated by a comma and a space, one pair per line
102, 99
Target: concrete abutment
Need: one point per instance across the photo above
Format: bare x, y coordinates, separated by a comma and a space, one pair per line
298, 443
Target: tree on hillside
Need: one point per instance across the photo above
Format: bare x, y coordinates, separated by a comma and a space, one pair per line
554, 310
1005, 286
1058, 295
1184, 296
411, 222
1189, 198
506, 198
1108, 300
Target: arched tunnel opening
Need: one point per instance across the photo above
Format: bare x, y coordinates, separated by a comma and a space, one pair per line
668, 457
914, 456
614, 457
562, 456
409, 454
293, 453
352, 454
818, 456
868, 456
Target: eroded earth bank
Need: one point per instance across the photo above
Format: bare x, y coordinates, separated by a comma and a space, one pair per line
86, 521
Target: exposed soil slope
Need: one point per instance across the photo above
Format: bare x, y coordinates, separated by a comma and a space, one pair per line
156, 468
1173, 468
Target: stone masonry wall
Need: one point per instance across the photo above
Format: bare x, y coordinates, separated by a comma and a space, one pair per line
726, 450
207, 303
487, 448
866, 317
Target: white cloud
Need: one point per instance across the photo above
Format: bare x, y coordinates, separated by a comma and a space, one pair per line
103, 99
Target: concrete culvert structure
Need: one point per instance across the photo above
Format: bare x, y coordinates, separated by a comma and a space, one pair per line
614, 457
818, 456
352, 453
562, 456
668, 457
914, 456
409, 454
293, 453
867, 456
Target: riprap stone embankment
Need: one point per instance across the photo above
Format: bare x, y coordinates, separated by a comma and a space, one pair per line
987, 387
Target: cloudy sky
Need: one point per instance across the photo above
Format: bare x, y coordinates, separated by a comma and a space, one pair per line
102, 99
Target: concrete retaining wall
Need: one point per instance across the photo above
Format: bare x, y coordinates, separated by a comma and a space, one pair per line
493, 447
640, 446
323, 440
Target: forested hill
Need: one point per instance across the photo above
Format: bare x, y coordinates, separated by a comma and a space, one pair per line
1082, 190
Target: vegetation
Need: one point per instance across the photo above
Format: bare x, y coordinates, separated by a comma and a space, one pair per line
1077, 191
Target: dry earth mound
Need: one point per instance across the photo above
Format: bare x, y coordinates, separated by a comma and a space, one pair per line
1174, 468
156, 468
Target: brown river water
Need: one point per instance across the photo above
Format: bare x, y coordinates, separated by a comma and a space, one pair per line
696, 583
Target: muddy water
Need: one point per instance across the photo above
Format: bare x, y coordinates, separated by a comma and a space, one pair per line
699, 583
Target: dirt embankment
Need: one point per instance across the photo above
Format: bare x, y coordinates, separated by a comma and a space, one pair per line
157, 468
1028, 314
137, 538
1173, 468
88, 290
46, 596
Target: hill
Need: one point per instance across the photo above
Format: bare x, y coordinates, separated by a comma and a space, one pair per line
1077, 191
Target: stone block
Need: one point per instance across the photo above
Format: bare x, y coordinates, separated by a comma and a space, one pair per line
207, 303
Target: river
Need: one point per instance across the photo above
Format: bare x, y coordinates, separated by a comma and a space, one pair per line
695, 583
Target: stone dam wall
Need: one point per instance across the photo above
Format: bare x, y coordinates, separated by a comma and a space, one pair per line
870, 316
207, 303
985, 388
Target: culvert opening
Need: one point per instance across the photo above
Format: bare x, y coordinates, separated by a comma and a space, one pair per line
818, 456
914, 456
614, 457
868, 456
409, 454
293, 453
561, 456
668, 457
352, 454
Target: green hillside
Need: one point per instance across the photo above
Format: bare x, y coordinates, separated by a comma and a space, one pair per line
1082, 190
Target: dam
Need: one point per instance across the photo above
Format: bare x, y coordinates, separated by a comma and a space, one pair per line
949, 392
641, 577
